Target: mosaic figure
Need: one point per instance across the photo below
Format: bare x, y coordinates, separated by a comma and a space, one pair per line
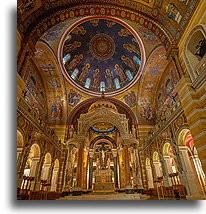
77, 59
79, 30
173, 13
130, 99
120, 72
54, 83
124, 32
56, 109
94, 22
109, 77
96, 77
147, 112
48, 68
84, 73
73, 97
110, 23
128, 62
132, 48
71, 47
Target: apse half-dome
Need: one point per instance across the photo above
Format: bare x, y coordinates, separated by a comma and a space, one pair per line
101, 55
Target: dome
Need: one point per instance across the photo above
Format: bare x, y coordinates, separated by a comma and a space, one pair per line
101, 55
102, 104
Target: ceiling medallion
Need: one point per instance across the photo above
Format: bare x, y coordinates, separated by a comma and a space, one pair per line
102, 46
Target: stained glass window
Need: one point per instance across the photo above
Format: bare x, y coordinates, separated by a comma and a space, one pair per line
87, 83
102, 86
117, 85
66, 58
75, 73
129, 75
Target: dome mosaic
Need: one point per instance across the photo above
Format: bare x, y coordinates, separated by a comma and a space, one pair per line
101, 55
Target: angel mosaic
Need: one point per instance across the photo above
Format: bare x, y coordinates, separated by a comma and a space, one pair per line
72, 47
124, 32
85, 71
128, 62
56, 109
110, 23
120, 72
77, 59
132, 48
130, 99
94, 22
96, 77
54, 83
109, 76
73, 97
79, 30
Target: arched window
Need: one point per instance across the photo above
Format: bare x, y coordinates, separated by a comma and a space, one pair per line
117, 85
75, 73
129, 75
87, 83
194, 52
66, 58
137, 60
102, 86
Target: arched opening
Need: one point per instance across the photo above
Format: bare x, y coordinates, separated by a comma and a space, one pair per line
20, 143
46, 168
195, 51
150, 182
30, 168
171, 165
55, 175
157, 165
191, 160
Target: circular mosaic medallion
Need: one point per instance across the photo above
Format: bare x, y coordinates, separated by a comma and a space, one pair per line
102, 46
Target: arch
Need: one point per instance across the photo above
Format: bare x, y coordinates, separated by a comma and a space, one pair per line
155, 157
166, 149
48, 158
55, 175
35, 150
84, 106
67, 12
20, 139
192, 59
106, 138
147, 162
185, 139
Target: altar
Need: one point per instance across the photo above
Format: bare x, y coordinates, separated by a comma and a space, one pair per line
103, 181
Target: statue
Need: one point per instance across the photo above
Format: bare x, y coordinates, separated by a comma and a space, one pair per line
97, 164
108, 163
71, 131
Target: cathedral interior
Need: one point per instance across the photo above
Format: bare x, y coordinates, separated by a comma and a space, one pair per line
111, 99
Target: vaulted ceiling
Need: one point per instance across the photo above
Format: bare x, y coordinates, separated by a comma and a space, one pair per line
54, 30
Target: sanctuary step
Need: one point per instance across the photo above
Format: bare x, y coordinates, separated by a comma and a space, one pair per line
111, 196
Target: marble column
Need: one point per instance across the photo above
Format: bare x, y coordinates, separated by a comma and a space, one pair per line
149, 177
54, 179
157, 169
194, 187
168, 168
128, 186
33, 171
91, 155
114, 153
45, 172
79, 167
